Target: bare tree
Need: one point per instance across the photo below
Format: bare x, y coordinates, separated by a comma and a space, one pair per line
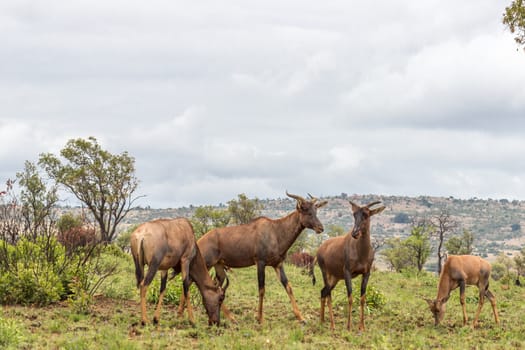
443, 224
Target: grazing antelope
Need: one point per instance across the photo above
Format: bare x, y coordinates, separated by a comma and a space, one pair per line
164, 244
459, 271
261, 242
345, 257
303, 260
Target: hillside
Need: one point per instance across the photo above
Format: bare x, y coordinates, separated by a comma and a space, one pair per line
498, 225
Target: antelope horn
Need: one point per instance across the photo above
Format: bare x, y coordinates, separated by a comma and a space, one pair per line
296, 197
372, 204
314, 199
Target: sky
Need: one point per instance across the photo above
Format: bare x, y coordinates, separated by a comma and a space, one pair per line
218, 98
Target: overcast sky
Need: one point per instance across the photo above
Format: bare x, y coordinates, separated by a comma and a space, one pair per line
217, 98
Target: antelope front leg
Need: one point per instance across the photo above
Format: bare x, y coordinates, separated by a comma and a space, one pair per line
286, 284
221, 277
348, 283
323, 302
186, 282
364, 283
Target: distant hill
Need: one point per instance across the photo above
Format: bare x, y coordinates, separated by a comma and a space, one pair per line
498, 225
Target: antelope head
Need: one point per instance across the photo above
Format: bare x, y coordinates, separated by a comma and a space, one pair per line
437, 307
308, 211
362, 217
214, 302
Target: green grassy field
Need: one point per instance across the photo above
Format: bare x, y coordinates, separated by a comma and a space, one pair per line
403, 322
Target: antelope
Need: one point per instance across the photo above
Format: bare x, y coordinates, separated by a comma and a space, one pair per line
170, 244
303, 260
459, 271
261, 242
346, 257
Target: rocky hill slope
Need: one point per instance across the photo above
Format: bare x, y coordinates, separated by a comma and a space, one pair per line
497, 225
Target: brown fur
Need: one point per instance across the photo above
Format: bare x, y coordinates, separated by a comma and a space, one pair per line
262, 242
164, 244
459, 271
346, 257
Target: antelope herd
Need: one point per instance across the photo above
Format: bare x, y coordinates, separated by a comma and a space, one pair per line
165, 244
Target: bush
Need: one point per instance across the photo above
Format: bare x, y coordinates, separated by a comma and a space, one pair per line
173, 291
375, 299
172, 294
498, 271
34, 275
401, 218
10, 334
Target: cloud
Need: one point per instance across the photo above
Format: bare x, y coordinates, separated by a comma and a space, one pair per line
447, 86
215, 99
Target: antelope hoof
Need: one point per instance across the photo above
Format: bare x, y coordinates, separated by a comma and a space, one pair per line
155, 321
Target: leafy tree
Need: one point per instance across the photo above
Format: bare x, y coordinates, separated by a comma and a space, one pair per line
418, 243
507, 262
243, 210
396, 254
519, 262
104, 182
334, 230
401, 218
207, 218
123, 239
514, 20
68, 221
74, 233
37, 201
460, 244
498, 271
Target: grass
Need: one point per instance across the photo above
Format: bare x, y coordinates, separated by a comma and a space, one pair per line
403, 322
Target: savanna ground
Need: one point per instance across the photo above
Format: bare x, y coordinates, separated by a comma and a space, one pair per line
403, 322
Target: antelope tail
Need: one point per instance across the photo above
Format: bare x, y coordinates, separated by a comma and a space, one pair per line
138, 258
311, 272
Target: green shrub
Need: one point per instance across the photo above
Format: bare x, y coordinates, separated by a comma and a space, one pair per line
79, 299
172, 294
38, 285
31, 286
375, 299
10, 334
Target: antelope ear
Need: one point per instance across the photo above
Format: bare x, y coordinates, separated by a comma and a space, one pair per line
429, 301
355, 207
321, 204
377, 210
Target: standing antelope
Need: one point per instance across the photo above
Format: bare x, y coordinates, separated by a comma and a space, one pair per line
261, 242
345, 257
163, 244
459, 271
